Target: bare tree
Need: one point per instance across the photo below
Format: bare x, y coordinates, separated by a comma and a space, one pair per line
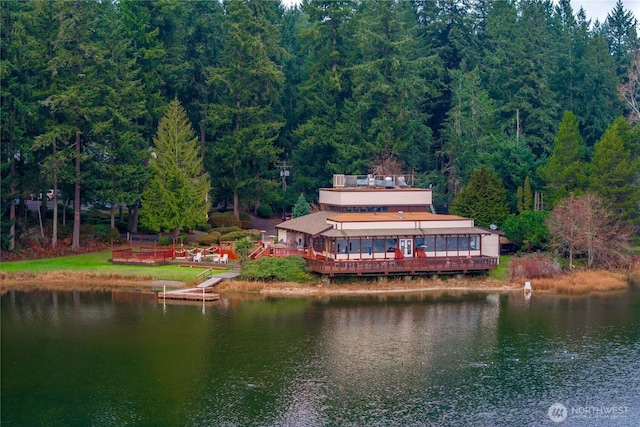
584, 226
630, 89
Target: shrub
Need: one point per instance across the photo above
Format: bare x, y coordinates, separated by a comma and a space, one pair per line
164, 241
264, 211
223, 219
254, 235
226, 230
213, 238
288, 269
527, 230
533, 266
203, 227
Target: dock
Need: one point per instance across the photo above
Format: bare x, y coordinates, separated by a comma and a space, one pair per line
202, 292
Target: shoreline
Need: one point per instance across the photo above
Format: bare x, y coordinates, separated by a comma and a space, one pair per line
575, 284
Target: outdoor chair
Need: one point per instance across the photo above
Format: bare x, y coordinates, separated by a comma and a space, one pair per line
224, 259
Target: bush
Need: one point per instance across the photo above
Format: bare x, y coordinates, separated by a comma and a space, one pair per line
203, 227
533, 266
226, 230
164, 241
527, 230
254, 235
264, 211
213, 238
223, 219
288, 269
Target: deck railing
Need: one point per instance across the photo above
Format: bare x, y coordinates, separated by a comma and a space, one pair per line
142, 254
405, 265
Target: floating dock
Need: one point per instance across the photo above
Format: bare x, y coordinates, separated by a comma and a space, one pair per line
202, 292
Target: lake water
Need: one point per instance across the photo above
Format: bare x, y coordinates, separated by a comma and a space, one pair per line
116, 359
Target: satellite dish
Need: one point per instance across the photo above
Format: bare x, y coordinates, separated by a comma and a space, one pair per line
493, 227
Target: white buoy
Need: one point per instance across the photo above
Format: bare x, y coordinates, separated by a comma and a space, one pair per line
527, 290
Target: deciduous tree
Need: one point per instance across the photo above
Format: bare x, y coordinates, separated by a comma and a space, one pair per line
583, 226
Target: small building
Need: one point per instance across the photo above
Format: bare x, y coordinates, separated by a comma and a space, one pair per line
373, 225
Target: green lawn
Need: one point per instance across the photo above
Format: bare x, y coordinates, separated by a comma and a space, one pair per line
99, 262
502, 271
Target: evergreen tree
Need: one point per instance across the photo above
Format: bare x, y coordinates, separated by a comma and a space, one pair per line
77, 55
322, 90
177, 195
484, 199
301, 208
120, 174
527, 196
26, 31
516, 70
527, 230
381, 117
564, 170
614, 172
470, 131
244, 121
520, 197
620, 31
598, 100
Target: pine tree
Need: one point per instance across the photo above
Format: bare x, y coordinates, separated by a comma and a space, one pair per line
77, 53
527, 197
301, 208
322, 92
564, 170
177, 195
598, 101
484, 199
471, 127
614, 172
244, 120
381, 117
620, 31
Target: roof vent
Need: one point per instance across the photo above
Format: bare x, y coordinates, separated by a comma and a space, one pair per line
400, 214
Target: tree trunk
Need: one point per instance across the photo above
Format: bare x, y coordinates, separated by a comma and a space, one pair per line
12, 208
134, 221
76, 198
236, 207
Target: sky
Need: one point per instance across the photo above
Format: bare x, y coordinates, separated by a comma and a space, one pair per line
598, 9
595, 9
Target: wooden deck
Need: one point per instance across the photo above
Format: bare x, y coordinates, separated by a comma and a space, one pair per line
202, 292
437, 265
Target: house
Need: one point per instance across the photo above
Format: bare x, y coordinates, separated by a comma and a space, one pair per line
371, 225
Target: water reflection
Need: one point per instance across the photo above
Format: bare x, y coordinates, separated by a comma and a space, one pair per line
446, 359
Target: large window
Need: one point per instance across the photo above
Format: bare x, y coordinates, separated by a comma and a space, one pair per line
367, 246
428, 244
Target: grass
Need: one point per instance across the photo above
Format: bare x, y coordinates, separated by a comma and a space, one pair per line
501, 272
582, 282
98, 264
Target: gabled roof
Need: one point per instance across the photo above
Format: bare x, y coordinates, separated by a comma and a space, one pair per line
312, 224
